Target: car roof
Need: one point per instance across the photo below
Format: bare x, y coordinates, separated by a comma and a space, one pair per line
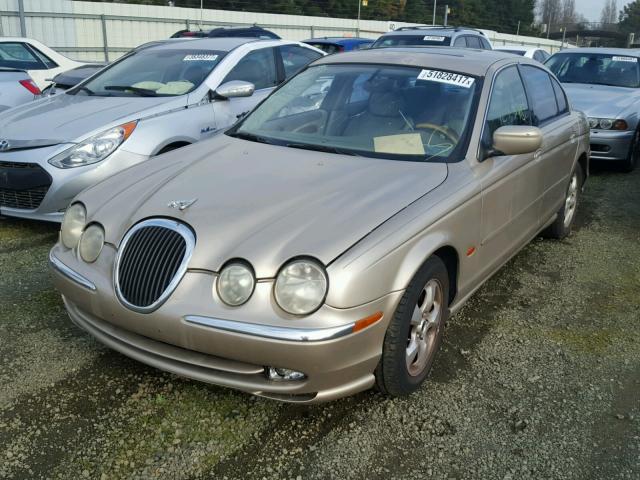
337, 39
224, 44
616, 51
512, 48
465, 60
433, 30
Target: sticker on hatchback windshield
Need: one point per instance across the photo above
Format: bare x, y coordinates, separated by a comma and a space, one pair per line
625, 59
203, 57
433, 38
446, 77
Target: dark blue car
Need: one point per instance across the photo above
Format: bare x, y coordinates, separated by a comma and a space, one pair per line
339, 44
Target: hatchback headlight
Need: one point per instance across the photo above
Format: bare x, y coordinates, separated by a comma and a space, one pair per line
91, 243
94, 149
301, 287
235, 284
73, 223
608, 124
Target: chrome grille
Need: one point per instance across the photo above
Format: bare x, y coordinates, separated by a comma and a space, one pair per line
151, 261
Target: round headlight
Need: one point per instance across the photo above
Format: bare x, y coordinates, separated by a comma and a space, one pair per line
75, 218
235, 284
301, 287
606, 123
91, 243
593, 123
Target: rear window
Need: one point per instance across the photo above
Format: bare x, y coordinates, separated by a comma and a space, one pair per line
402, 40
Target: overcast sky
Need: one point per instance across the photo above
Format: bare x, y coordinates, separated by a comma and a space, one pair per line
592, 8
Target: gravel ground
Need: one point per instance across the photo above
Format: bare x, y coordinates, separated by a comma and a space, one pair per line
539, 378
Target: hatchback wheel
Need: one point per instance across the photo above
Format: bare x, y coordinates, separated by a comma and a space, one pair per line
415, 333
561, 227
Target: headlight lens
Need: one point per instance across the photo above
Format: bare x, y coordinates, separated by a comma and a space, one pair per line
608, 124
91, 243
94, 149
73, 223
301, 287
235, 284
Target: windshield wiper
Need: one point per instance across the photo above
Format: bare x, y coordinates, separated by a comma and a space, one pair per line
84, 89
321, 148
144, 92
252, 137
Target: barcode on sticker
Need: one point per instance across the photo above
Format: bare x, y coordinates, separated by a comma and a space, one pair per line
433, 38
625, 59
202, 57
446, 77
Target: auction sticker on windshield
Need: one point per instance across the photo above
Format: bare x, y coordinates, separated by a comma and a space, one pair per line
625, 59
433, 38
200, 58
446, 77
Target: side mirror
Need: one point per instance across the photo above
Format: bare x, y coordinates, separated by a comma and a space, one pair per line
235, 89
516, 140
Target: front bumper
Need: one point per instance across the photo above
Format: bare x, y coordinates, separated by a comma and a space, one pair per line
610, 145
190, 335
39, 200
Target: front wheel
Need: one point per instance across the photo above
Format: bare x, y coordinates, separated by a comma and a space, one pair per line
561, 227
631, 162
415, 332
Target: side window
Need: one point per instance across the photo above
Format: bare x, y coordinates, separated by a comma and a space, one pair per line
460, 42
485, 43
18, 55
47, 61
537, 56
508, 104
563, 105
543, 98
295, 58
257, 67
473, 41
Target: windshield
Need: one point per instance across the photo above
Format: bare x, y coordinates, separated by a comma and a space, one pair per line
154, 72
423, 40
598, 68
376, 111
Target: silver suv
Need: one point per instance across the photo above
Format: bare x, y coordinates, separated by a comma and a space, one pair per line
434, 36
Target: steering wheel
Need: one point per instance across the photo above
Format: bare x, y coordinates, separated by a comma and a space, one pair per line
448, 133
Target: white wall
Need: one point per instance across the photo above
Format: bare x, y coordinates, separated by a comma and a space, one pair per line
81, 38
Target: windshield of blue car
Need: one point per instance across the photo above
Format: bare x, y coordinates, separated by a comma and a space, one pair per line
379, 111
404, 40
154, 72
616, 70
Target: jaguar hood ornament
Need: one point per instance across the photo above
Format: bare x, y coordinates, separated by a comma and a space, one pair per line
182, 204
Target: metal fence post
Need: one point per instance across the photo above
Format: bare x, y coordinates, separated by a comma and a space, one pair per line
187, 24
313, 31
23, 25
105, 43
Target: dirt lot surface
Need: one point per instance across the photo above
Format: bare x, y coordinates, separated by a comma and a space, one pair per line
539, 378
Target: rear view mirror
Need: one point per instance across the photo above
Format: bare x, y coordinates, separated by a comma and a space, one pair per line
235, 89
516, 140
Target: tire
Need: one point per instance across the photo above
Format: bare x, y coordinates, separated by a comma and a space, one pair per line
561, 227
631, 162
398, 373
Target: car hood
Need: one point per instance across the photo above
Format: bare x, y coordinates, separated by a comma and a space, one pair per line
601, 101
262, 203
69, 118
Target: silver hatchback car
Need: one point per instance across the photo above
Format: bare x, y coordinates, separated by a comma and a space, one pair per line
318, 247
157, 98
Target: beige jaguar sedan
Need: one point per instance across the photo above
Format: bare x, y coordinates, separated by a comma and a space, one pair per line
318, 247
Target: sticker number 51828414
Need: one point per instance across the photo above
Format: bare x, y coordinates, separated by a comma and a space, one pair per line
446, 77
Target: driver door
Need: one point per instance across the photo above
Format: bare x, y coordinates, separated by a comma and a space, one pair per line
257, 67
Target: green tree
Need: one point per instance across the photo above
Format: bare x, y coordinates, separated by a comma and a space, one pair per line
630, 17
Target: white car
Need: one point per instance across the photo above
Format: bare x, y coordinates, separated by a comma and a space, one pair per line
536, 53
34, 57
